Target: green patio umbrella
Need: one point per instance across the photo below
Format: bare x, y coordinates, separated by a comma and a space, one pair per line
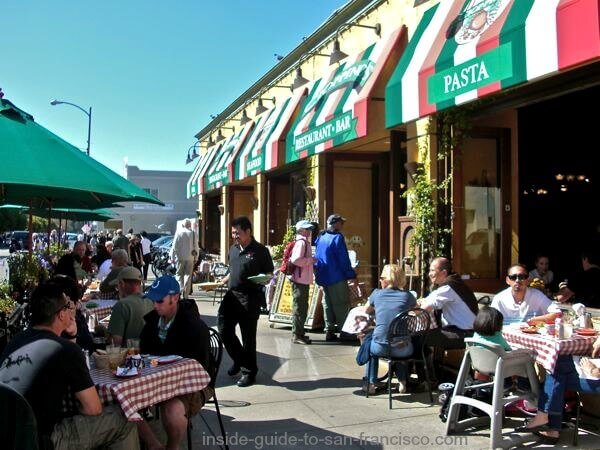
39, 169
99, 215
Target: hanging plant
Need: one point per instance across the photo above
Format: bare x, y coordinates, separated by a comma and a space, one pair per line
277, 250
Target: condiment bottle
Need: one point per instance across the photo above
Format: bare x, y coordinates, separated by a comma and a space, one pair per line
559, 329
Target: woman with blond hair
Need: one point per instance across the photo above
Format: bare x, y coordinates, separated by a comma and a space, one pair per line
386, 303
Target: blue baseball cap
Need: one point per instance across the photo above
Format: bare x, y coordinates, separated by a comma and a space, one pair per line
163, 286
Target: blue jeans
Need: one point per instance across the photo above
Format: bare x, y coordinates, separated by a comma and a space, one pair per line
565, 376
378, 349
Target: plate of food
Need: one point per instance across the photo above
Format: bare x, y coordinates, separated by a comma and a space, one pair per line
529, 330
261, 278
126, 372
168, 359
586, 332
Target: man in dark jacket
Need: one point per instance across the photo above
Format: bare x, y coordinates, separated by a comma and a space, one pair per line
174, 327
333, 271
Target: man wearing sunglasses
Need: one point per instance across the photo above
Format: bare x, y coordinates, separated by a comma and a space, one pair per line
518, 302
174, 327
49, 370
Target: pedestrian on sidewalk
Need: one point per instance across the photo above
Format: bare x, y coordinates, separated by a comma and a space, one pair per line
185, 252
333, 270
302, 278
241, 303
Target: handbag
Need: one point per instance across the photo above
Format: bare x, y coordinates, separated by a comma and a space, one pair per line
364, 351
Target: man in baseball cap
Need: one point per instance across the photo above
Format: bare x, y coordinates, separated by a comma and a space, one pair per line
174, 327
335, 218
333, 271
127, 316
301, 278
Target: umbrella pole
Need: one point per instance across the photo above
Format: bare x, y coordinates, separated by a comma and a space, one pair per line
59, 229
29, 238
49, 226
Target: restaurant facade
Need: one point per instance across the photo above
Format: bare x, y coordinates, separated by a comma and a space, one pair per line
342, 121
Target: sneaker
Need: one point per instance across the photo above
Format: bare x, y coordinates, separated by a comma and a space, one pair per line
303, 340
331, 336
401, 387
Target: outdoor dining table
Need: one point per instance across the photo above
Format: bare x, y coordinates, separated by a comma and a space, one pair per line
103, 309
154, 385
548, 348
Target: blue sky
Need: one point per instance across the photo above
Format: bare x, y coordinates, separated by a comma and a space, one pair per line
152, 71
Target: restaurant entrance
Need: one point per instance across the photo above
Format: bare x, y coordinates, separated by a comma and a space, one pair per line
558, 181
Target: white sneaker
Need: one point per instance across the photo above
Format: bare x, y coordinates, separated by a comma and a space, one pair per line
401, 387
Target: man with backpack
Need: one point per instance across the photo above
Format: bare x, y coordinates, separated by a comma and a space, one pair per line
299, 267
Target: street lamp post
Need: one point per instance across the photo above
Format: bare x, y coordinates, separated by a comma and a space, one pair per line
87, 113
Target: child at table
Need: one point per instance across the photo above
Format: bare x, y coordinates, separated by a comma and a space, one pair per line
488, 327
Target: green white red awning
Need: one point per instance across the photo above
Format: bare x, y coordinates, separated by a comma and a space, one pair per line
220, 170
194, 183
263, 149
336, 108
491, 45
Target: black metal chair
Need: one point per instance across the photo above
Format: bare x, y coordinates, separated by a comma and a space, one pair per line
410, 325
219, 270
216, 354
19, 427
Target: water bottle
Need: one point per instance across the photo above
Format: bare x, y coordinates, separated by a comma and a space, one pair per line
559, 329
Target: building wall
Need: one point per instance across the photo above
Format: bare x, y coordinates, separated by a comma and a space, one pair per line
170, 189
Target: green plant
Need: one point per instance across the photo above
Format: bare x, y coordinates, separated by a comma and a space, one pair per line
277, 250
7, 303
26, 271
427, 197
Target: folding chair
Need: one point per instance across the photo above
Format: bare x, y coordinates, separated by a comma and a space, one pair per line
219, 270
216, 354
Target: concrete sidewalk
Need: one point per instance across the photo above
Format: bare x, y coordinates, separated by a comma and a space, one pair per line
309, 397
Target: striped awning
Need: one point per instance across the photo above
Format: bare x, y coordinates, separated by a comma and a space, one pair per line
194, 183
220, 171
465, 49
264, 147
336, 108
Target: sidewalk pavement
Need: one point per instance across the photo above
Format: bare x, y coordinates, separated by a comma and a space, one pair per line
309, 397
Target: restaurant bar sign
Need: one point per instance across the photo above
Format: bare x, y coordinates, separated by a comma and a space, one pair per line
220, 170
463, 50
335, 110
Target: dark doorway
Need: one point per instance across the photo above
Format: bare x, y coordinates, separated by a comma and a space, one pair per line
212, 220
558, 180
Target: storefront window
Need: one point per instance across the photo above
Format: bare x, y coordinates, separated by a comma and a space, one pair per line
482, 208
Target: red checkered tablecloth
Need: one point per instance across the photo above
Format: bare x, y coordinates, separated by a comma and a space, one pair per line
103, 309
154, 385
547, 347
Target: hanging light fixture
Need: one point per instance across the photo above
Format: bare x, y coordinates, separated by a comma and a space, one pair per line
337, 54
220, 136
244, 119
261, 108
299, 80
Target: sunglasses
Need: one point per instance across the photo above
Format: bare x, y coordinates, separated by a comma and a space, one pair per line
518, 276
67, 306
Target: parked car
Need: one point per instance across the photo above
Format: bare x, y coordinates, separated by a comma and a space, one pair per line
157, 244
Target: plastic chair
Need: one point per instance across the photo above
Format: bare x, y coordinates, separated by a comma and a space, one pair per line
490, 359
219, 270
409, 325
216, 354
